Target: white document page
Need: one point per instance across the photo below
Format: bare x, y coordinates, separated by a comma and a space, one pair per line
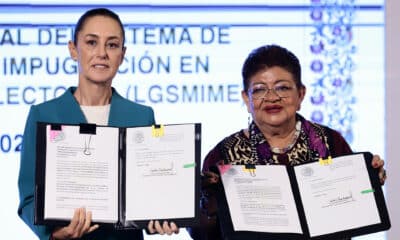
81, 171
337, 196
160, 178
261, 202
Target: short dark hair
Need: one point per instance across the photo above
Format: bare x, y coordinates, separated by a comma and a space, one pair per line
97, 12
269, 56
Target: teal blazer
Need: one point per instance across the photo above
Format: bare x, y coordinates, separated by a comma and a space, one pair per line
65, 109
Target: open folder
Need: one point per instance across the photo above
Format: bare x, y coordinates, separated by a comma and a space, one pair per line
125, 176
330, 199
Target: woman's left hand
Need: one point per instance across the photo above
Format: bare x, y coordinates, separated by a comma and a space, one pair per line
377, 162
166, 228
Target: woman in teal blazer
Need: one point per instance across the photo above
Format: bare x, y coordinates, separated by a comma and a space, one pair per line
65, 109
98, 48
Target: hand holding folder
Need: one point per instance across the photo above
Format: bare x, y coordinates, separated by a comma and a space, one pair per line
316, 200
113, 172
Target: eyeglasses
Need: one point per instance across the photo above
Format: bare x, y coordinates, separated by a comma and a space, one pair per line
260, 91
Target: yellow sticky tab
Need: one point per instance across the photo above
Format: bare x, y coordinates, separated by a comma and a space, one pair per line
249, 168
157, 130
327, 161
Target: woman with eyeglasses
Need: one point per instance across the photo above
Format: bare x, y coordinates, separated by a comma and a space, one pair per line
278, 134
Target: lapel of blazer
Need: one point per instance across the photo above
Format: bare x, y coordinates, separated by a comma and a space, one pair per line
70, 110
72, 113
116, 119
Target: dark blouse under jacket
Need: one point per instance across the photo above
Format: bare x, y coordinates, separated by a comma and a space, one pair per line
313, 142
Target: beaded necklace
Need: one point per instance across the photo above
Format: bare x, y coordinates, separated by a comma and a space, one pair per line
290, 145
257, 139
315, 138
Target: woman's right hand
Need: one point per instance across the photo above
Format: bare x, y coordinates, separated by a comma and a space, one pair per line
80, 225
